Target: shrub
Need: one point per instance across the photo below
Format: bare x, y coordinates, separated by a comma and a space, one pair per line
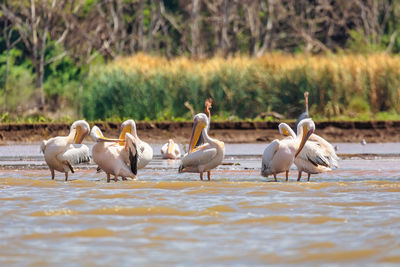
145, 87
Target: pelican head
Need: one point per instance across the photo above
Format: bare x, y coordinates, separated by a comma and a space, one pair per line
79, 129
200, 122
98, 136
128, 126
305, 129
170, 146
285, 130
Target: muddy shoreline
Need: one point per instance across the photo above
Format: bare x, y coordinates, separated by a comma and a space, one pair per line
229, 132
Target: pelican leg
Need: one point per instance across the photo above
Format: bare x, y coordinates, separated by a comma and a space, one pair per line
308, 179
66, 176
52, 174
108, 177
299, 177
275, 177
124, 178
209, 175
287, 176
201, 176
115, 178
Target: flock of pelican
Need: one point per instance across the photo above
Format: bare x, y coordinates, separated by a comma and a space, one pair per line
124, 155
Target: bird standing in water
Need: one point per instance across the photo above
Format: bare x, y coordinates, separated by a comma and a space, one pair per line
114, 158
279, 155
61, 152
144, 150
205, 157
317, 155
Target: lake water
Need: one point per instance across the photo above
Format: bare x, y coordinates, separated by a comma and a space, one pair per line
347, 216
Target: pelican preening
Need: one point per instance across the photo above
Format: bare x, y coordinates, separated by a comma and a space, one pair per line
170, 150
122, 156
205, 157
144, 150
279, 155
114, 158
317, 155
62, 152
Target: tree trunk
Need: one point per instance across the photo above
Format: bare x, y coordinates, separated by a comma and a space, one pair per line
6, 78
153, 23
195, 28
35, 60
39, 76
140, 30
7, 65
254, 25
225, 44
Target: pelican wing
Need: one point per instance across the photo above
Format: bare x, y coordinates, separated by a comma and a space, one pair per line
177, 150
164, 149
131, 149
199, 157
43, 146
326, 149
270, 152
309, 165
146, 152
75, 154
313, 153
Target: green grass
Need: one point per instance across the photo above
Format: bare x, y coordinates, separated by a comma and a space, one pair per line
349, 87
381, 116
341, 87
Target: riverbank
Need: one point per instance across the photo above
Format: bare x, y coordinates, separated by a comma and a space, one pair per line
229, 132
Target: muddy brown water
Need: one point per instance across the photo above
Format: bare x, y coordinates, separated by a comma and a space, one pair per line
349, 216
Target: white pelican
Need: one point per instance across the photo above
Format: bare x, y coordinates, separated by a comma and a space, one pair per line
62, 152
205, 157
207, 106
144, 150
317, 155
170, 150
279, 155
113, 158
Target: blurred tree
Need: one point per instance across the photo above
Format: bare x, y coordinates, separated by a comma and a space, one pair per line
8, 34
36, 23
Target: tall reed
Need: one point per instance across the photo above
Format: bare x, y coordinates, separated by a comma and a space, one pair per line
146, 87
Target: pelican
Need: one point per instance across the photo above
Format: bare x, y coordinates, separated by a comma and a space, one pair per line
205, 157
113, 158
144, 150
317, 155
170, 150
305, 114
279, 155
207, 106
62, 152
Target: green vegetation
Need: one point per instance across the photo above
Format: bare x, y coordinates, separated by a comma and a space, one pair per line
111, 60
341, 87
